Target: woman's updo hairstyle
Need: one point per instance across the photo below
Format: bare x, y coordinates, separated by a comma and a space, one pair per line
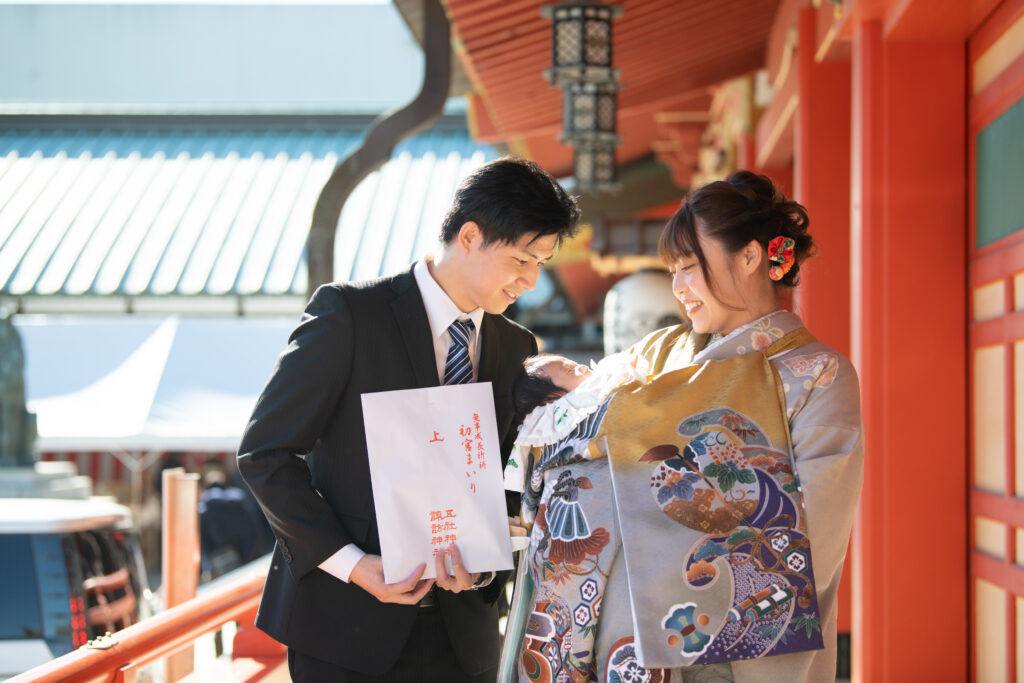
743, 207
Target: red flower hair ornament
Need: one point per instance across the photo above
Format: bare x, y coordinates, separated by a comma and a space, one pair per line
780, 257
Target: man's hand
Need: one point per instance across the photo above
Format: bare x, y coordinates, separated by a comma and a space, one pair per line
460, 580
368, 574
516, 528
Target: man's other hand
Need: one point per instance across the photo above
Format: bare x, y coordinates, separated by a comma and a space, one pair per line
460, 580
368, 574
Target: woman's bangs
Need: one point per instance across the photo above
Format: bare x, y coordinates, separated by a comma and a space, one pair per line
679, 238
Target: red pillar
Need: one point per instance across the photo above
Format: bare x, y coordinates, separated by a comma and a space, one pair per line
822, 184
909, 282
821, 167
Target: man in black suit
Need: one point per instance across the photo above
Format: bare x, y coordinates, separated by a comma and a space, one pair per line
325, 596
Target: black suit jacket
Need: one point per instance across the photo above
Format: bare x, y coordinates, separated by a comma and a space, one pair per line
356, 338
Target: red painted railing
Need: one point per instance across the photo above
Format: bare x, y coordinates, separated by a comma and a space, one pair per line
118, 657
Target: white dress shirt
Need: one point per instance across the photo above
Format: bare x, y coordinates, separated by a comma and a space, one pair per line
441, 313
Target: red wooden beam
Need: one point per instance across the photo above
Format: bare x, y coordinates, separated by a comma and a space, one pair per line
1007, 509
1003, 574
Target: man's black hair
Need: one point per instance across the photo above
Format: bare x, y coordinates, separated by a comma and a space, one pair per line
508, 198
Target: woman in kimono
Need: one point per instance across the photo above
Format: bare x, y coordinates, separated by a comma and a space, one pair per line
690, 509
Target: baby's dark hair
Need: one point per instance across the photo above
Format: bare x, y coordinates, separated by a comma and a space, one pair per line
532, 389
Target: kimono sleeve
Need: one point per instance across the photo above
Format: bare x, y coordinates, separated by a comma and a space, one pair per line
828, 447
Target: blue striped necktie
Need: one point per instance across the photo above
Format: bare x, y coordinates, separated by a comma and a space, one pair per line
458, 369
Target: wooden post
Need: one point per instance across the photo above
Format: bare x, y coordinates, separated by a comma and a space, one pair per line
180, 561
821, 165
821, 169
909, 282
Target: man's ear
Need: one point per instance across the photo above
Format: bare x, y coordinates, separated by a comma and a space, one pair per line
468, 236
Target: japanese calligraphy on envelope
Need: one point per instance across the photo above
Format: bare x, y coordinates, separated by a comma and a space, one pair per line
435, 467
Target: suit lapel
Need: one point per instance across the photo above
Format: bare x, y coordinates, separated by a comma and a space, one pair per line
490, 351
411, 318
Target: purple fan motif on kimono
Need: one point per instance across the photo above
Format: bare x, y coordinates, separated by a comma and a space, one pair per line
729, 483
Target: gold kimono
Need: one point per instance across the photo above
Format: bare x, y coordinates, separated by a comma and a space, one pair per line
675, 534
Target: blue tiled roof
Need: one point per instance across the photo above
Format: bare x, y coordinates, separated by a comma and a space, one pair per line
201, 209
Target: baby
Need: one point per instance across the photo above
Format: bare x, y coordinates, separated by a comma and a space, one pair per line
545, 378
553, 395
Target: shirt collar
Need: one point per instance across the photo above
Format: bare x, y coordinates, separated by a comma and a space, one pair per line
441, 310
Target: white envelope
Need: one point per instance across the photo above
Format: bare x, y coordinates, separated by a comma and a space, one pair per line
435, 466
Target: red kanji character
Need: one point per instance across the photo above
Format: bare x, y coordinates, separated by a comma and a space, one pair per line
435, 515
437, 438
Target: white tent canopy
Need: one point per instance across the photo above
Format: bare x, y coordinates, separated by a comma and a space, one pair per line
146, 383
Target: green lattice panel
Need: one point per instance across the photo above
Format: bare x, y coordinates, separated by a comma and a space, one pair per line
1000, 164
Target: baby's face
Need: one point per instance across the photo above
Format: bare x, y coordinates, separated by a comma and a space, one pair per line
565, 373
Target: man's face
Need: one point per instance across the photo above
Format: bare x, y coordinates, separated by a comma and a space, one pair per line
497, 273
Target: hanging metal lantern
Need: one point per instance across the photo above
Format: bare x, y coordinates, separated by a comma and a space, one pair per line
589, 112
595, 168
581, 41
581, 56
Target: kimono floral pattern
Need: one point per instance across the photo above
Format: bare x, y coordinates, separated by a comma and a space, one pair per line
571, 449
822, 366
547, 644
624, 667
570, 541
758, 335
570, 557
729, 483
569, 564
